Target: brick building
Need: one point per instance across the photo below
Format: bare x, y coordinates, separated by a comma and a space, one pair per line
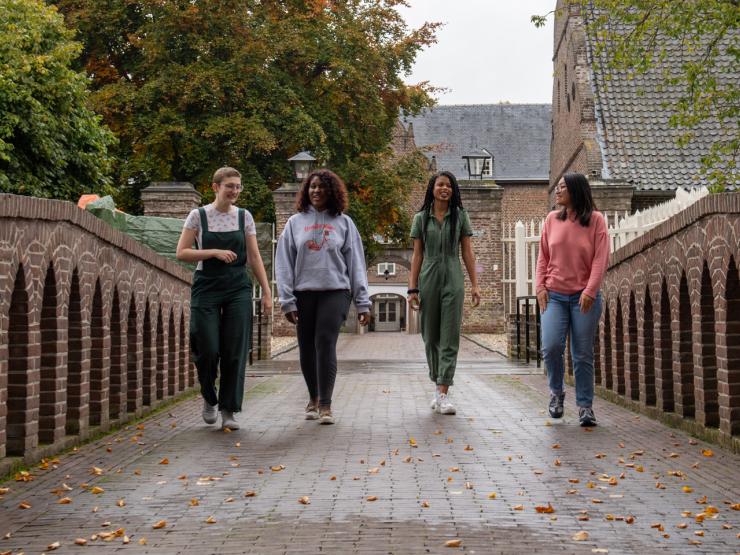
615, 129
514, 187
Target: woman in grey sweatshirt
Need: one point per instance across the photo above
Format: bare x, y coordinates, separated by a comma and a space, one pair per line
320, 268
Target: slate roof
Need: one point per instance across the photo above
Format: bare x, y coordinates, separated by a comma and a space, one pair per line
518, 136
638, 144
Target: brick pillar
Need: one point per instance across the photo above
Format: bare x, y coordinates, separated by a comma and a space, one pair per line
284, 199
170, 199
482, 200
612, 196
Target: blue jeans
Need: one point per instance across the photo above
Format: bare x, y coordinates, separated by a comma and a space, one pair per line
561, 317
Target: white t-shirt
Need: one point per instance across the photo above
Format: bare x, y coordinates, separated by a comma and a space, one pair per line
219, 221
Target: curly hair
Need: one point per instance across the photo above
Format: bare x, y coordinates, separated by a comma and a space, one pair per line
336, 192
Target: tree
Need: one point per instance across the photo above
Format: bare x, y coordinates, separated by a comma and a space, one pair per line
51, 143
635, 36
189, 86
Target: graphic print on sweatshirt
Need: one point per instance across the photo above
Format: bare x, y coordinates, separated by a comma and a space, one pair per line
320, 236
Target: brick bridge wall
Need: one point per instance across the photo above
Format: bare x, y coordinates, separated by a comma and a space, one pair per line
93, 327
669, 337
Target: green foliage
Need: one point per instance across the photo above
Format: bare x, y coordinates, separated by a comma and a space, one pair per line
192, 86
378, 187
634, 36
51, 143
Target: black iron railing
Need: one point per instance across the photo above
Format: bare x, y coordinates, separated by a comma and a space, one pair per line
530, 322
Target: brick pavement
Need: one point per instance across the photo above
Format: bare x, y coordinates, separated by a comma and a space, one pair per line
511, 453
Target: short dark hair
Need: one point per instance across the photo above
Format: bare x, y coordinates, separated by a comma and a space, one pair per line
580, 195
335, 189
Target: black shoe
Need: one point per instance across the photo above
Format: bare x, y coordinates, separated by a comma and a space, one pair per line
556, 405
586, 416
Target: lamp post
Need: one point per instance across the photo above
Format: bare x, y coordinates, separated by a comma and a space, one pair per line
303, 164
476, 161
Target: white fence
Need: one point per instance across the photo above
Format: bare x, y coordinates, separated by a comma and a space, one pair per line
520, 242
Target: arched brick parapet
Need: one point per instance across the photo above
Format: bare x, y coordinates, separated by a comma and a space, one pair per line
618, 347
606, 347
681, 277
631, 373
79, 338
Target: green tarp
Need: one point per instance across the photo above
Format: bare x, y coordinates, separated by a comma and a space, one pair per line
161, 234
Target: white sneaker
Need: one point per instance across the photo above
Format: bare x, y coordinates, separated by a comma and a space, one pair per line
435, 402
210, 413
228, 420
444, 406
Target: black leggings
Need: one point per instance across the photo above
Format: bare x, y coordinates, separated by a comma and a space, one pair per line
320, 315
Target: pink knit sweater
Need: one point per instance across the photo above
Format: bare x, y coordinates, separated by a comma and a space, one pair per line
572, 258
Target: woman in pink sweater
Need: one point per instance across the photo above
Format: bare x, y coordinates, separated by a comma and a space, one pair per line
574, 253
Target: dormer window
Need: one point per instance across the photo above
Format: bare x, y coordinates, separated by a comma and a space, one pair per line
479, 163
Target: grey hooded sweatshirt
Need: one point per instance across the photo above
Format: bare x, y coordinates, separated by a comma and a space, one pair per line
320, 252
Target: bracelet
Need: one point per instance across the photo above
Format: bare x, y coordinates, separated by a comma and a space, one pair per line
410, 291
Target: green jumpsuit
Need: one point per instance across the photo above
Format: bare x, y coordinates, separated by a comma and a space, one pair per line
441, 292
221, 317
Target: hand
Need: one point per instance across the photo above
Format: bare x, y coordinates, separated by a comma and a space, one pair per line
224, 256
292, 317
266, 302
542, 298
364, 318
414, 301
475, 295
585, 302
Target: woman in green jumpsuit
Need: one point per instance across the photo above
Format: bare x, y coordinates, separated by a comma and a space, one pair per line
436, 282
221, 295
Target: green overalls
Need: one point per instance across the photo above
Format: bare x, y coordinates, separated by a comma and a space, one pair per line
441, 292
221, 317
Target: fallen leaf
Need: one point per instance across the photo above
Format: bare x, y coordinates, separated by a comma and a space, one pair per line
425, 504
453, 543
580, 536
468, 448
332, 478
23, 476
694, 542
126, 540
557, 462
160, 524
687, 489
599, 550
682, 525
518, 507
544, 509
412, 442
571, 491
698, 532
735, 506
305, 500
454, 469
194, 502
382, 462
24, 505
629, 520
65, 501
277, 468
702, 501
468, 485
121, 503
659, 485
81, 541
374, 470
96, 471
250, 493
372, 498
574, 480
707, 452
548, 423
165, 461
407, 459
3, 491
727, 526
596, 501
584, 518
210, 520
674, 455
600, 455
142, 541
556, 446
491, 495
96, 490
53, 546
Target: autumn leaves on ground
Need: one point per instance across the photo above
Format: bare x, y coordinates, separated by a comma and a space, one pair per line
390, 476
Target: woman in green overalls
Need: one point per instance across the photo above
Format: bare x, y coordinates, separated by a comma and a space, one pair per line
436, 282
221, 295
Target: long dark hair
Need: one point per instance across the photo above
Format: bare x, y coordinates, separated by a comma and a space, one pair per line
580, 196
336, 192
455, 204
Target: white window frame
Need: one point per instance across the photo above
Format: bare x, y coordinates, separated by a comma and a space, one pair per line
488, 167
390, 266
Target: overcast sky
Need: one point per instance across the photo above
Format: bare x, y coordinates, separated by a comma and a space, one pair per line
487, 52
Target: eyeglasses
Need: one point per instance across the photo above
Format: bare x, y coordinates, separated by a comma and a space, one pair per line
559, 188
231, 187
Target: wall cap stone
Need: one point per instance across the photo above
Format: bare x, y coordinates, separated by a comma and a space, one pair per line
718, 203
32, 208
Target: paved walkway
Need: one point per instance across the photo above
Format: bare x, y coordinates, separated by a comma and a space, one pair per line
389, 477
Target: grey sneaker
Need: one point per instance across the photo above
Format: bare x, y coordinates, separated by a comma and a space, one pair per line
312, 410
556, 405
228, 420
210, 413
444, 405
586, 417
325, 416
